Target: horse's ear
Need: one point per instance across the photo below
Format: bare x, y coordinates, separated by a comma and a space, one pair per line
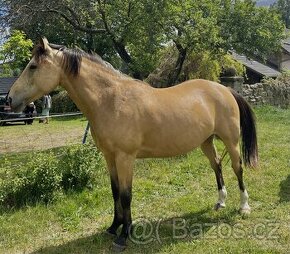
44, 43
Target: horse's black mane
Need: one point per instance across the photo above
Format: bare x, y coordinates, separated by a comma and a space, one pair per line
72, 58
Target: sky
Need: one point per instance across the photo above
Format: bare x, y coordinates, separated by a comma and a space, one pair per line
265, 2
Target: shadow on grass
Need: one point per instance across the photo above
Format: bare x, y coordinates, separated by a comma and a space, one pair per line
149, 236
285, 190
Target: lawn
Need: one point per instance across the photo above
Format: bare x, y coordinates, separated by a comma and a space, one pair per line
17, 137
172, 202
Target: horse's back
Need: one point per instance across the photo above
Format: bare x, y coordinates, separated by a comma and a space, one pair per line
179, 119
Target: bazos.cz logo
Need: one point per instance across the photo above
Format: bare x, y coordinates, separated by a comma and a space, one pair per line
145, 231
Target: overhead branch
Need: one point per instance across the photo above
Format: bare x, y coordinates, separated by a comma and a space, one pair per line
75, 22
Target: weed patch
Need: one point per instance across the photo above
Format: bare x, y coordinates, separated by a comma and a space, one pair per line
45, 175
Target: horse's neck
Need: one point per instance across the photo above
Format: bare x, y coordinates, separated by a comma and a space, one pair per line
90, 89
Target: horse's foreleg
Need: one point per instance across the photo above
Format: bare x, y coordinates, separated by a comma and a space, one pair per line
209, 150
118, 212
124, 165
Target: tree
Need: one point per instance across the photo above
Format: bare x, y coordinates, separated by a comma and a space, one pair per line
15, 52
193, 27
203, 32
124, 24
250, 30
137, 32
283, 7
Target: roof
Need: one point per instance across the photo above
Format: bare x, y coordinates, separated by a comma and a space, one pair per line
256, 66
6, 83
286, 46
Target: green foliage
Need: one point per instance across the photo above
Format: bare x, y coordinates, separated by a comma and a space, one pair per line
251, 30
45, 175
283, 8
202, 65
207, 66
137, 31
193, 24
282, 80
79, 164
15, 53
37, 179
228, 64
197, 65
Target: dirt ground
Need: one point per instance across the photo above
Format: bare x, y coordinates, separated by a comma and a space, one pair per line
22, 138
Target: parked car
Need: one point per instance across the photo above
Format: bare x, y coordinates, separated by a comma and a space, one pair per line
9, 116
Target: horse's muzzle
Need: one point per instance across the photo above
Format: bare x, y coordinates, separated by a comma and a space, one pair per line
8, 100
14, 106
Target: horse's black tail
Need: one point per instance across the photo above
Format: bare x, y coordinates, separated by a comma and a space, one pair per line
248, 131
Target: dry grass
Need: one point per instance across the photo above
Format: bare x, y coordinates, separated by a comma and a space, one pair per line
59, 132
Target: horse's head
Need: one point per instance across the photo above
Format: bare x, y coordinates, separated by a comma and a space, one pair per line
40, 76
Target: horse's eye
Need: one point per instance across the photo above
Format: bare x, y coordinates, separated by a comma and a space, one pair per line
32, 66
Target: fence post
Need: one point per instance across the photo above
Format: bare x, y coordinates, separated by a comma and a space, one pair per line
86, 133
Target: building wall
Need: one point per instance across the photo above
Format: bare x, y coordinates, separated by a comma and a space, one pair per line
285, 62
260, 94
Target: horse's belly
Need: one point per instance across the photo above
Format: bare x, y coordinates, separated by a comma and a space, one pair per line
162, 146
162, 153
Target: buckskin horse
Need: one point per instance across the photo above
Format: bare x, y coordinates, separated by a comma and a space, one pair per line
130, 119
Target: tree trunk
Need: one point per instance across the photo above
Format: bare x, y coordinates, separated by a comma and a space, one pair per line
173, 77
121, 50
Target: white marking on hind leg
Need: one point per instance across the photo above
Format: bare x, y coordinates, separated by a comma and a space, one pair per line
222, 198
244, 206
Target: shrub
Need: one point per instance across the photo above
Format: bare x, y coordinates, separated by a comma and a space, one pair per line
38, 179
282, 80
45, 175
79, 165
204, 65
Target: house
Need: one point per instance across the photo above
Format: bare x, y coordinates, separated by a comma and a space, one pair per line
274, 65
255, 70
5, 84
281, 60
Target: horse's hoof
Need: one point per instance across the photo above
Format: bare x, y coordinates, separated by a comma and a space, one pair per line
219, 206
119, 245
245, 211
111, 233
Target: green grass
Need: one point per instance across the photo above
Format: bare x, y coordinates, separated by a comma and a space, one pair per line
169, 194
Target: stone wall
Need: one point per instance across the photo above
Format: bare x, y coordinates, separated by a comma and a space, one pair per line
267, 93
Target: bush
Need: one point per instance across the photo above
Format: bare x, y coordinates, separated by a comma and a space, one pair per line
282, 80
79, 166
196, 65
38, 179
45, 175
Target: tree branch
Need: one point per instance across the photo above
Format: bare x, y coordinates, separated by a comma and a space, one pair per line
76, 25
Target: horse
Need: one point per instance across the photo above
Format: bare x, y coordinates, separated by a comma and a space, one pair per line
129, 119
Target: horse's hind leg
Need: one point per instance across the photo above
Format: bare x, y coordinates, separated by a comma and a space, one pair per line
210, 152
234, 152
